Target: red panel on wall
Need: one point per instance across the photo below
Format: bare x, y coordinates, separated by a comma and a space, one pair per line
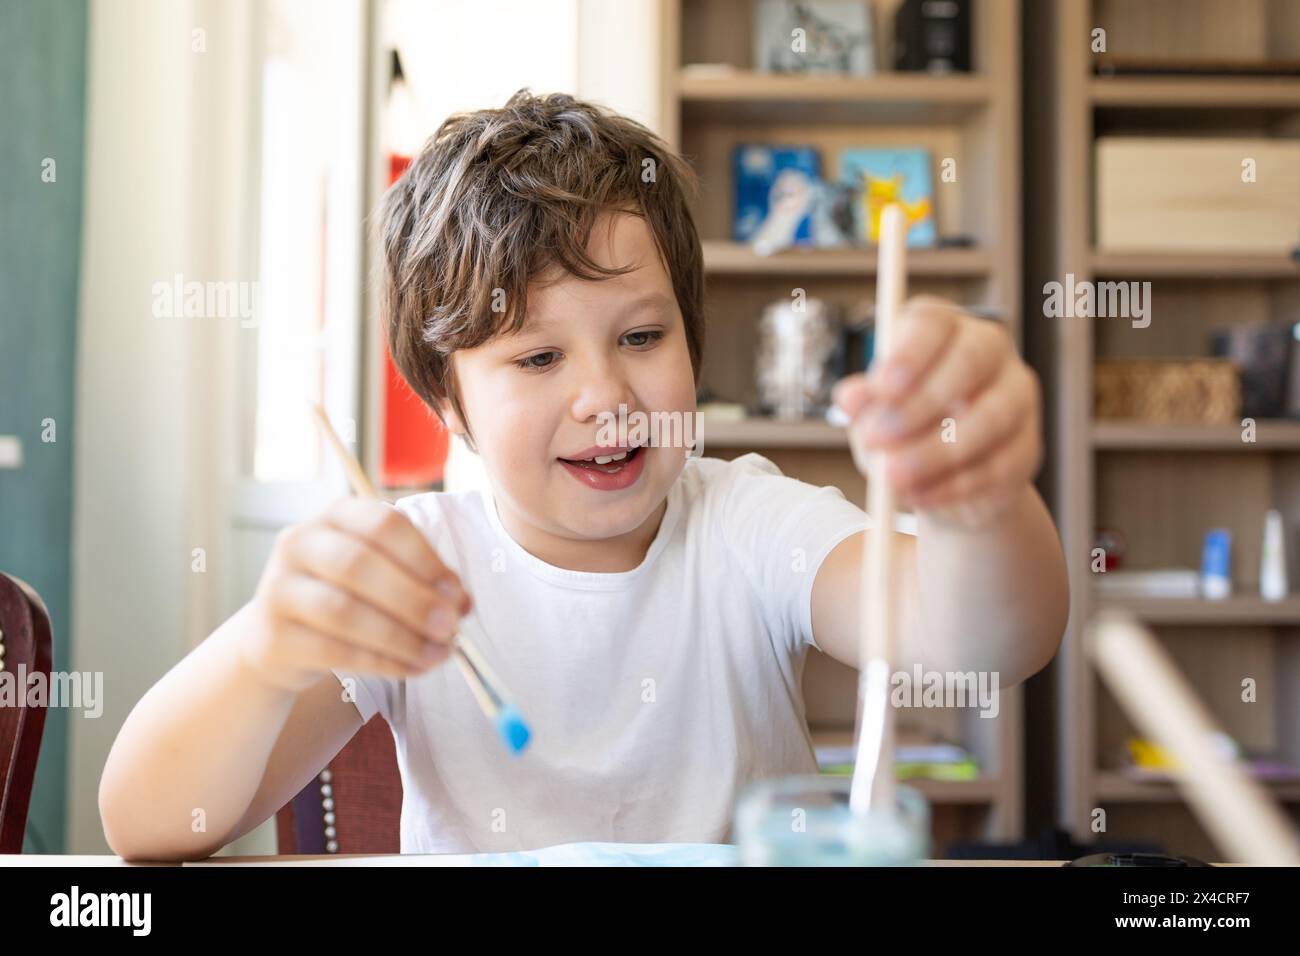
415, 441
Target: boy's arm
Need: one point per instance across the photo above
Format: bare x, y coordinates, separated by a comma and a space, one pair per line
213, 736
958, 414
242, 723
320, 724
835, 607
993, 599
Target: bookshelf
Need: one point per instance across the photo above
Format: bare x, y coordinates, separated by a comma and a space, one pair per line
1162, 485
723, 258
712, 100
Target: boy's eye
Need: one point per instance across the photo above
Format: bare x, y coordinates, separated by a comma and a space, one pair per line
537, 362
644, 337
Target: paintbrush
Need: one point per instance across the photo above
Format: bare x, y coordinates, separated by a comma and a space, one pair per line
1237, 812
485, 685
873, 770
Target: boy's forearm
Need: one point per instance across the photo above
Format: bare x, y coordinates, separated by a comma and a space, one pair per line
996, 599
190, 757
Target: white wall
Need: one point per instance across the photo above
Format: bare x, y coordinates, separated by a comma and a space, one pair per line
619, 57
151, 436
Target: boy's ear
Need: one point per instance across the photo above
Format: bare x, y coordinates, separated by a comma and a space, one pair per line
454, 424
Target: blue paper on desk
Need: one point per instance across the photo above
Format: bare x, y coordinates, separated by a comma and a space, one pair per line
614, 854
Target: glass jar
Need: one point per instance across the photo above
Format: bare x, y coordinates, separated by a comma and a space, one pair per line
806, 821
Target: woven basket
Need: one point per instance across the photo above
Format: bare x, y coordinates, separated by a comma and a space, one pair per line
1200, 391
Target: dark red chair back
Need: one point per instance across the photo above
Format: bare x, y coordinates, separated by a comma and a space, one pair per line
354, 805
26, 648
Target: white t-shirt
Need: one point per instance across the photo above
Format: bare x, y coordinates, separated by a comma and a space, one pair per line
653, 695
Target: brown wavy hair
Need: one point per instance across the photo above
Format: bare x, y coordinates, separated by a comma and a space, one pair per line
498, 197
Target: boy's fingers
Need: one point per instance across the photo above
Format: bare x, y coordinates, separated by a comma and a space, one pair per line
391, 532
327, 651
959, 373
853, 394
353, 658
326, 610
369, 575
925, 331
1005, 467
992, 421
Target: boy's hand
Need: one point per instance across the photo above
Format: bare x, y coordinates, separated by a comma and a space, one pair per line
358, 588
956, 409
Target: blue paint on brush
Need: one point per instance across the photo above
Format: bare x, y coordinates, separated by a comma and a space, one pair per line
513, 730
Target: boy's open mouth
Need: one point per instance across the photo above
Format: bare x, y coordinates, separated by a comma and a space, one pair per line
610, 464
604, 468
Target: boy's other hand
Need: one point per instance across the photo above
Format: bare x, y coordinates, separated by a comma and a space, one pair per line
357, 588
955, 408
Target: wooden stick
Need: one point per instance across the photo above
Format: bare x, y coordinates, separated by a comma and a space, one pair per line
873, 770
357, 476
1243, 820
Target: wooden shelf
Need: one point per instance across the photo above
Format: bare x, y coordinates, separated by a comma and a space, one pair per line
768, 433
1161, 485
1282, 92
1115, 787
750, 96
980, 790
1238, 609
734, 258
738, 85
1193, 265
1270, 435
972, 119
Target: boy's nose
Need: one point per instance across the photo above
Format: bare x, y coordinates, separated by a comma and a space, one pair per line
603, 387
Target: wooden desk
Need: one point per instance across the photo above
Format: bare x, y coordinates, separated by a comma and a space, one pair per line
434, 859
358, 859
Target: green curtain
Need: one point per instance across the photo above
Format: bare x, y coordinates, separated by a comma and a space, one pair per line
42, 119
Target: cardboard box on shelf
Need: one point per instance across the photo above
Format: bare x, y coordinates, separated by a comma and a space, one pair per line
1164, 194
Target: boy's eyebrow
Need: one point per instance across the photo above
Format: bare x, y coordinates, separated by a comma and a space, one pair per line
646, 301
649, 300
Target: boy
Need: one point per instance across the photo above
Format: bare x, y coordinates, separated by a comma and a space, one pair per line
650, 612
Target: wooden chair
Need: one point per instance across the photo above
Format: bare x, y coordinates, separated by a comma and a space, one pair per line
354, 805
26, 648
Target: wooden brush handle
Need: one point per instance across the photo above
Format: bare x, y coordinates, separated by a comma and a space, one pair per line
877, 621
1244, 823
873, 776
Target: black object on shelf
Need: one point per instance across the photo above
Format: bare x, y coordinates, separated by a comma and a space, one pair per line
932, 36
1263, 353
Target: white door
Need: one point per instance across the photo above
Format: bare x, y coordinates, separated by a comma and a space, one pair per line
304, 240
306, 245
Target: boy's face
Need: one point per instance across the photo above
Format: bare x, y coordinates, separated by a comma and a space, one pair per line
534, 400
